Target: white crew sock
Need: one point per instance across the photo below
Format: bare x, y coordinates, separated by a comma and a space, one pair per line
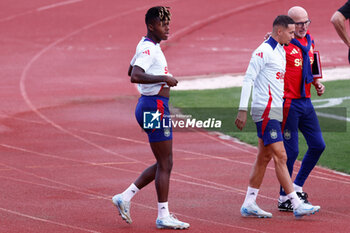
298, 188
130, 192
283, 198
293, 197
163, 209
251, 195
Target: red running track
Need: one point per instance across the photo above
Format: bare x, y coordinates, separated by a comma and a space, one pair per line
69, 140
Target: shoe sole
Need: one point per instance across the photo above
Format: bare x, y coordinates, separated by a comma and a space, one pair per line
121, 213
285, 210
245, 213
169, 227
300, 216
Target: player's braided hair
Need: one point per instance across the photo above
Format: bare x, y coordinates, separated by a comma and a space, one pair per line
159, 12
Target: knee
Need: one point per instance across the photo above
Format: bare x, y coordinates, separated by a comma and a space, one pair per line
263, 160
166, 164
280, 158
318, 147
267, 158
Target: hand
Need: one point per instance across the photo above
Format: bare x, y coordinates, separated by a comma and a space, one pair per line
241, 119
320, 88
267, 35
171, 81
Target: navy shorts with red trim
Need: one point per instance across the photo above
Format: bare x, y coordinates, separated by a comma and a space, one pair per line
271, 133
152, 114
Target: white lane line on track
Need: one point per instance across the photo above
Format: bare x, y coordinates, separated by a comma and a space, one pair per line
330, 173
36, 111
46, 220
335, 175
36, 57
102, 196
214, 18
39, 9
43, 8
96, 196
8, 18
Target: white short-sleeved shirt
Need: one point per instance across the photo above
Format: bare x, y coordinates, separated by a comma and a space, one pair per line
266, 74
150, 58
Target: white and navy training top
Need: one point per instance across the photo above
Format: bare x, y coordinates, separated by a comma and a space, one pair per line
266, 74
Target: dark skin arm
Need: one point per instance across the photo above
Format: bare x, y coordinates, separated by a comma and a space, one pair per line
138, 75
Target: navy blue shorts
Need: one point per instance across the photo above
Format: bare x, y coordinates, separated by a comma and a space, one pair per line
152, 114
269, 133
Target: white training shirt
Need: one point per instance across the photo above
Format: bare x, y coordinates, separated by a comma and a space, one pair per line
266, 74
150, 58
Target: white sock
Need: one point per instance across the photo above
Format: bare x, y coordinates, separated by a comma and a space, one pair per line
251, 195
283, 198
298, 188
293, 197
130, 192
163, 209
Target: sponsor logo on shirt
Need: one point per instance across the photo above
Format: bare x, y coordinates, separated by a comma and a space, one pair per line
298, 62
294, 51
260, 55
280, 75
146, 52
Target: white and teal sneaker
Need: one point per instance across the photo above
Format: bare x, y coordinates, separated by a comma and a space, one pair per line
305, 209
252, 209
123, 207
171, 222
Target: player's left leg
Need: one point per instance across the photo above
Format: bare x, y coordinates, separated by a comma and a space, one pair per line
291, 114
311, 130
268, 133
300, 208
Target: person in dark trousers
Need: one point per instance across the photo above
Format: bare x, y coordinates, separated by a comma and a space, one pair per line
265, 74
298, 111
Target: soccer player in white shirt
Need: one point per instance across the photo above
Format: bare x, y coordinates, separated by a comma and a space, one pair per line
265, 73
149, 70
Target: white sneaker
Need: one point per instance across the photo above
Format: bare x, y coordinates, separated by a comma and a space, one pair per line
171, 222
123, 207
305, 209
252, 209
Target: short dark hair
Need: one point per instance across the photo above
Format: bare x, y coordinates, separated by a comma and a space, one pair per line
283, 20
158, 12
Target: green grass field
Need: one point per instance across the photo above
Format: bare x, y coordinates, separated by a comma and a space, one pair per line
223, 103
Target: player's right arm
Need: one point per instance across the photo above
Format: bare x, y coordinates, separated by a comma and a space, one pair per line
141, 62
256, 64
138, 75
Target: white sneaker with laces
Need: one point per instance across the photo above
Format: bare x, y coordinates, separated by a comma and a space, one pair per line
305, 209
123, 207
252, 209
171, 222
